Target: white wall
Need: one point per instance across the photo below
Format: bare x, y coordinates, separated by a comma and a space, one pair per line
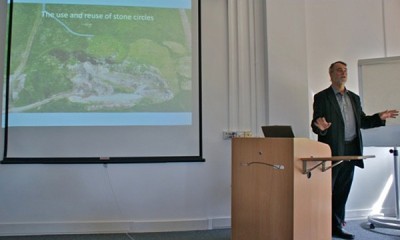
287, 65
303, 38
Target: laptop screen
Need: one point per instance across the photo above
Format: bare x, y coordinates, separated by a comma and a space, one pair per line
278, 131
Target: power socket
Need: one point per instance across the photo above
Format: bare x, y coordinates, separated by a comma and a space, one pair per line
232, 134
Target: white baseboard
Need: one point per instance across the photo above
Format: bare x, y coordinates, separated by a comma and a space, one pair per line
364, 213
49, 228
220, 223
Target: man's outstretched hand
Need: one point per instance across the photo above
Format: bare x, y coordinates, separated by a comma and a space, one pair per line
388, 114
322, 124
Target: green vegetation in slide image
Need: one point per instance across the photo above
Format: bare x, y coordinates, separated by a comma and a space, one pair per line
79, 58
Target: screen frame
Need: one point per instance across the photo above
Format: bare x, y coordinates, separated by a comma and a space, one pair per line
102, 160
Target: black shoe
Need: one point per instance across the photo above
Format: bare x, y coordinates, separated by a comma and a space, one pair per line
341, 233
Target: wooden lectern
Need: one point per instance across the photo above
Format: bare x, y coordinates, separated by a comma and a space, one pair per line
272, 197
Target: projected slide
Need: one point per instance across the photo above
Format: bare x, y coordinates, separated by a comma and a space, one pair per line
90, 63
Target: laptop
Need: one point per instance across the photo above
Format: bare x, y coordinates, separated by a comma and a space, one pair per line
278, 131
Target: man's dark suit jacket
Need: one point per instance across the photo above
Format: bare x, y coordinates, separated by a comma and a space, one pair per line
326, 105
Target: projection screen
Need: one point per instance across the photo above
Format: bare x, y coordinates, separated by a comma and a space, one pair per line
103, 81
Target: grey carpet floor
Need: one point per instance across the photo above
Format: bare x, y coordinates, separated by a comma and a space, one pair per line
361, 228
220, 234
362, 231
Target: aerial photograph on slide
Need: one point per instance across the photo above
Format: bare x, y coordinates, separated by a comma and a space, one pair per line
93, 58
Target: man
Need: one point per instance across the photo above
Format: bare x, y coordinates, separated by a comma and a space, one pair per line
337, 119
